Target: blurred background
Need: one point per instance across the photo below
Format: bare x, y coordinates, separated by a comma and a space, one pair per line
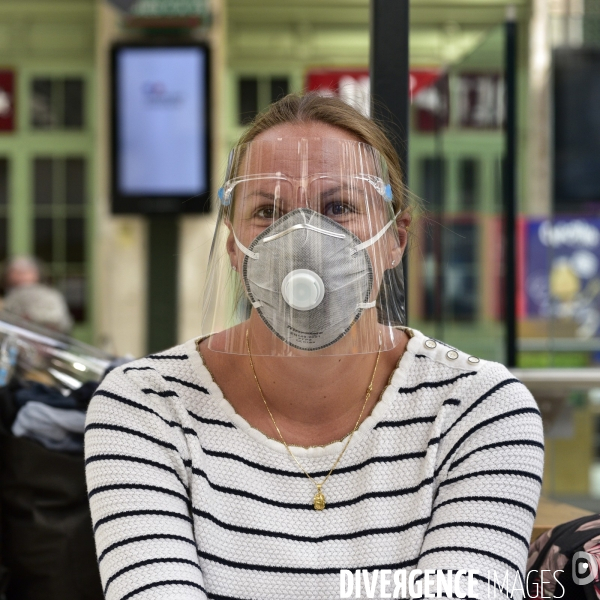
130, 261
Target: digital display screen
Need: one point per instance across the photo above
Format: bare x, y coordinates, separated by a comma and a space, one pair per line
160, 128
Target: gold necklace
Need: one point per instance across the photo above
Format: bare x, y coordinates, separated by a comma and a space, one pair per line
319, 498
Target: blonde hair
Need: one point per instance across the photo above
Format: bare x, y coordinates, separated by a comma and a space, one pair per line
312, 107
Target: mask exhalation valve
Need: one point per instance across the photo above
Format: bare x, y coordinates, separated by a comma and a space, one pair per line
303, 289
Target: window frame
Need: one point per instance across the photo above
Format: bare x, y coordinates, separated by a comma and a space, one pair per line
25, 143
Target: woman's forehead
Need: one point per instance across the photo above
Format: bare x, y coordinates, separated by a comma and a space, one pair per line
311, 129
294, 151
290, 159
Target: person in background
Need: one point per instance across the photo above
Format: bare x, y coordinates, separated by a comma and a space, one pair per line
32, 300
21, 271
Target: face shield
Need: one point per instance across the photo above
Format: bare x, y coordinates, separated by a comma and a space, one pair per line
306, 255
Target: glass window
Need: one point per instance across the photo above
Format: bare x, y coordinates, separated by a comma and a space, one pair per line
42, 109
73, 103
248, 99
450, 269
433, 173
43, 180
279, 88
254, 93
57, 103
468, 177
75, 181
60, 231
43, 239
456, 286
460, 243
75, 238
432, 276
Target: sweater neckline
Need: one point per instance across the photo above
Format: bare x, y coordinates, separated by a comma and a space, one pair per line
377, 414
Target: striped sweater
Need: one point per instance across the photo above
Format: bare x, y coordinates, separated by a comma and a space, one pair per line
189, 501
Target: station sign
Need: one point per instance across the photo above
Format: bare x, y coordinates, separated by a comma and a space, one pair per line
479, 97
353, 85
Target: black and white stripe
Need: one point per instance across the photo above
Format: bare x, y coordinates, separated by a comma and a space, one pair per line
189, 502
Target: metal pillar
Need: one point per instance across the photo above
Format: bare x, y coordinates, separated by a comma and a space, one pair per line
510, 189
390, 72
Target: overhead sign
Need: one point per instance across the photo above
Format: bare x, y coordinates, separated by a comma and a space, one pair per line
353, 85
7, 100
480, 96
421, 79
162, 8
480, 100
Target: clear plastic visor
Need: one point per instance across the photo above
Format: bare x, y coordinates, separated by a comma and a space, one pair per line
306, 255
344, 181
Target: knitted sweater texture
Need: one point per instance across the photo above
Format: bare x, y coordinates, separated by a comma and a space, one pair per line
189, 501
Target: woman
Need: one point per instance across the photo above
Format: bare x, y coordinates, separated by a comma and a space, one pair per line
310, 432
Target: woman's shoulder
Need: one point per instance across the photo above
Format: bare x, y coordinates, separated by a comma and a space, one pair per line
180, 363
157, 381
440, 365
159, 400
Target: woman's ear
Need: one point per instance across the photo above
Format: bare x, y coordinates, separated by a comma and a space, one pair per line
231, 247
402, 223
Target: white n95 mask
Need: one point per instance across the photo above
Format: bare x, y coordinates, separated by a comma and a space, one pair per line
306, 253
307, 279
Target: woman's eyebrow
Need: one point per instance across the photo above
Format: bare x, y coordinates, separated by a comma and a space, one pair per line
331, 191
343, 187
262, 194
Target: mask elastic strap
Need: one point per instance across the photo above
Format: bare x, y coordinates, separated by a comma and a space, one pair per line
249, 254
368, 243
243, 248
366, 304
377, 236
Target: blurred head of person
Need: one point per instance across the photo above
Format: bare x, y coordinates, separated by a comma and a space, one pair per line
21, 271
40, 304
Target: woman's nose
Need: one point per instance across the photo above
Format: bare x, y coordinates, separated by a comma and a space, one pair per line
302, 197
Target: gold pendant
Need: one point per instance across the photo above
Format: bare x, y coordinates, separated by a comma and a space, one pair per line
319, 499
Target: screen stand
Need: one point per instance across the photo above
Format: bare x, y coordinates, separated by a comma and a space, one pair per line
163, 238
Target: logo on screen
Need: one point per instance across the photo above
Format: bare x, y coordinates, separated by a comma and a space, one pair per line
156, 92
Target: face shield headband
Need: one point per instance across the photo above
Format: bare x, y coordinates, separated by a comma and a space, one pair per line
306, 254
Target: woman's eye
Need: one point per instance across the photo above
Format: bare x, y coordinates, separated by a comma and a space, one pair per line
338, 209
265, 212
